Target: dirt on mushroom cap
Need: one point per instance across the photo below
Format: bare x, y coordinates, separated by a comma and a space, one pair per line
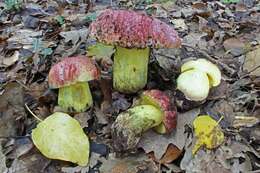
71, 70
130, 29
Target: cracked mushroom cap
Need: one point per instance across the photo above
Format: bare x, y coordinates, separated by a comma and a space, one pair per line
206, 66
133, 30
160, 100
72, 70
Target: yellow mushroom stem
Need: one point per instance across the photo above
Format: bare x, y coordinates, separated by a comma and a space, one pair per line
76, 97
130, 69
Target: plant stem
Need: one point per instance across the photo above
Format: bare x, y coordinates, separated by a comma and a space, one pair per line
130, 69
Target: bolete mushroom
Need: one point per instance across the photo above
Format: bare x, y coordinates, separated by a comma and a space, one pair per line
197, 77
152, 110
71, 76
133, 34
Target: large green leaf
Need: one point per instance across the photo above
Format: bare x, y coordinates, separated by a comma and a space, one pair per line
60, 137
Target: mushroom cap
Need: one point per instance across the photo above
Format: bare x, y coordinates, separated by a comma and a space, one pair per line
194, 84
206, 66
130, 29
160, 100
72, 70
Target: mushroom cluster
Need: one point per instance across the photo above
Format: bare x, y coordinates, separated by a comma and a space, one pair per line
133, 34
152, 110
197, 77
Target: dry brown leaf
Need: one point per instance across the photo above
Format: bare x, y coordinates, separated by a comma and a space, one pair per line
83, 119
252, 61
12, 109
153, 142
234, 45
171, 154
130, 164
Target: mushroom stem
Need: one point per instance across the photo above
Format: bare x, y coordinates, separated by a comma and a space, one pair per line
130, 69
129, 125
145, 100
76, 97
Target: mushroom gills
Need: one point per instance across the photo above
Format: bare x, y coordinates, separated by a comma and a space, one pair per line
130, 69
76, 97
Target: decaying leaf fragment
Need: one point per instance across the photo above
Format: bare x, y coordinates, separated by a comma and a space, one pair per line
60, 137
208, 133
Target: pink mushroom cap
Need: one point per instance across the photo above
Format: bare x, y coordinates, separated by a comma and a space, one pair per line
72, 70
130, 29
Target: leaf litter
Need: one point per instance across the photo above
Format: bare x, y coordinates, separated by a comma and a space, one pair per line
34, 36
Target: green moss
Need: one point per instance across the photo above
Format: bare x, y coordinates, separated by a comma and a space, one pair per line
130, 69
75, 97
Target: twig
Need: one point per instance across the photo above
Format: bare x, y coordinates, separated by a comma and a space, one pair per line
35, 116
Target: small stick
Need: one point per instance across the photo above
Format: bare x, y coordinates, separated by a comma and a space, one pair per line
35, 116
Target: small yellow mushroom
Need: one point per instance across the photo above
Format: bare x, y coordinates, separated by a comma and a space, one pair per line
197, 77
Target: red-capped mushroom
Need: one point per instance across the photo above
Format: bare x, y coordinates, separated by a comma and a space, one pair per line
153, 110
71, 76
133, 34
161, 101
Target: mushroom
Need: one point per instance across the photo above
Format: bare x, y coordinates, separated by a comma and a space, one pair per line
133, 34
152, 110
71, 76
197, 77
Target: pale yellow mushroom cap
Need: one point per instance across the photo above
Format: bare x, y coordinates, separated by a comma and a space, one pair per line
206, 66
194, 84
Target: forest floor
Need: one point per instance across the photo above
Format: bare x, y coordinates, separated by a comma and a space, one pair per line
34, 35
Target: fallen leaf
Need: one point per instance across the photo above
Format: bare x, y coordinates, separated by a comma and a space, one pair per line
130, 164
101, 117
207, 133
24, 36
234, 45
3, 167
154, 142
60, 136
171, 154
75, 35
196, 40
93, 160
167, 59
101, 51
12, 110
245, 121
83, 118
179, 24
20, 147
8, 61
203, 162
252, 61
33, 162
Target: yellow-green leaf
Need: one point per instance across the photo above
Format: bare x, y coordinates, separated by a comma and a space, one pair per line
60, 136
208, 133
101, 51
